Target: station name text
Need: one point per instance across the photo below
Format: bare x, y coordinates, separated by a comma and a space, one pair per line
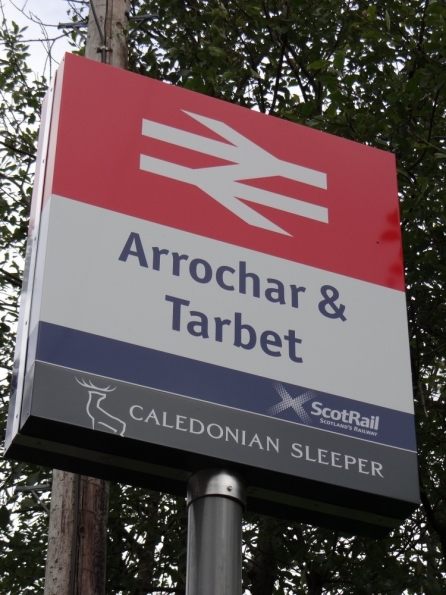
237, 278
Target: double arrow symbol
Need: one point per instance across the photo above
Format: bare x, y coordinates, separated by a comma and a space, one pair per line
222, 183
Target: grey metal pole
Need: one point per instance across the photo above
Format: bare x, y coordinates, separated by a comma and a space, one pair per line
216, 499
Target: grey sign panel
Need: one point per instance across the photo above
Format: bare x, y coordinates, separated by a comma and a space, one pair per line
122, 429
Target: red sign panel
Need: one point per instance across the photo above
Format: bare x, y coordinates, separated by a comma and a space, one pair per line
345, 192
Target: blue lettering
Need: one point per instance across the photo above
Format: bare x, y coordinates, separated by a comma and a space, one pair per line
177, 258
176, 311
243, 275
138, 252
270, 339
239, 327
157, 252
200, 327
275, 294
292, 342
219, 324
295, 295
206, 269
219, 277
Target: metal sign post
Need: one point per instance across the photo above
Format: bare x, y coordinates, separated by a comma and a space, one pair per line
216, 499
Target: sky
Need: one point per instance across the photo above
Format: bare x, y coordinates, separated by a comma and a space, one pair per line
47, 12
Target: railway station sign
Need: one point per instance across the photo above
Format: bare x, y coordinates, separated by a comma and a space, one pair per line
208, 286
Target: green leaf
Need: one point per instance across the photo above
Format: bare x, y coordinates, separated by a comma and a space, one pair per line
339, 58
371, 12
318, 64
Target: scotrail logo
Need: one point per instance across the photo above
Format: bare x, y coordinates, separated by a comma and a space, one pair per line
345, 419
289, 403
223, 183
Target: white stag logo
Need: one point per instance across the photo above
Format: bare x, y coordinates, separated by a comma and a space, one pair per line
98, 415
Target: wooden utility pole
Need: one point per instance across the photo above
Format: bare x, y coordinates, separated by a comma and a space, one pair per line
107, 32
77, 539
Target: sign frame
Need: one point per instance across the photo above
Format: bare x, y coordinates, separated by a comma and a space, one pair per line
38, 430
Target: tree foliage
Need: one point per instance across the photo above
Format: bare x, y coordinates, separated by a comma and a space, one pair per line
372, 72
23, 520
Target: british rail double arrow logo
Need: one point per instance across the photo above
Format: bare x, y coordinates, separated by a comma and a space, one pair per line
248, 162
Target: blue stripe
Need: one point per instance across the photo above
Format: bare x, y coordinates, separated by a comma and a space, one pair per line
216, 384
